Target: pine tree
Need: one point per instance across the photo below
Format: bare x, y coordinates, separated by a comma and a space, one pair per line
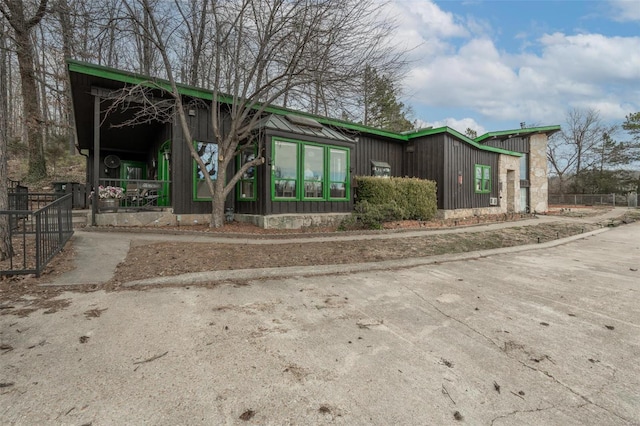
381, 106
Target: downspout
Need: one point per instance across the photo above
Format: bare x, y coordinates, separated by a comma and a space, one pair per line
96, 158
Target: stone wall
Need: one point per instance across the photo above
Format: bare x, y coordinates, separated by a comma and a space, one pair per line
168, 218
467, 213
539, 190
159, 218
293, 221
509, 189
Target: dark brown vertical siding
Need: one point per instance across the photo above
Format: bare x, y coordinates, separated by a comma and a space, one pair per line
182, 163
370, 148
424, 159
513, 144
462, 157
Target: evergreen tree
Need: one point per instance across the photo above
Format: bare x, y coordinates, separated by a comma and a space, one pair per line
632, 126
381, 106
470, 133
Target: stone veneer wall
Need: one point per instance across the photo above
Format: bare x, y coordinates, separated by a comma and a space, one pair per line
467, 213
168, 218
539, 190
509, 182
293, 221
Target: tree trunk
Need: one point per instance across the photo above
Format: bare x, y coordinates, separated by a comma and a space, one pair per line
5, 246
217, 202
24, 51
5, 93
67, 40
32, 116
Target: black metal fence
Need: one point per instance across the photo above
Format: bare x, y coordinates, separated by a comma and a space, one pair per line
35, 234
614, 200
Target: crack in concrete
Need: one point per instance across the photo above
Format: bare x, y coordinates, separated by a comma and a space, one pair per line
513, 413
546, 373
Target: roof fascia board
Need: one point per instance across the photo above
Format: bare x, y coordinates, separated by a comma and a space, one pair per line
463, 138
518, 132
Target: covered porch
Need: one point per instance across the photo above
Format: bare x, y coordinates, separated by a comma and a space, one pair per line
129, 160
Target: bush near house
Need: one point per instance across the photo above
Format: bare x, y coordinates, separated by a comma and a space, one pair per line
384, 200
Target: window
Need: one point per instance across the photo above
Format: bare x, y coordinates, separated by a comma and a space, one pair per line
247, 183
482, 179
524, 167
337, 173
285, 172
132, 171
208, 152
304, 171
313, 171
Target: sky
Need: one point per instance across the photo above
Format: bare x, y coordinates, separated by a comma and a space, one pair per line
490, 65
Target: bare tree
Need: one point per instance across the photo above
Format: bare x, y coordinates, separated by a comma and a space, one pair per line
14, 13
5, 247
261, 53
193, 33
576, 148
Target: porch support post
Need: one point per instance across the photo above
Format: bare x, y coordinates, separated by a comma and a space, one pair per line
96, 158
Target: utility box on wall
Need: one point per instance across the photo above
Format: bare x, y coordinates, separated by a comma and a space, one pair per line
380, 169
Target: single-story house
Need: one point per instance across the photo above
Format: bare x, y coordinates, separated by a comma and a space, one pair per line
311, 161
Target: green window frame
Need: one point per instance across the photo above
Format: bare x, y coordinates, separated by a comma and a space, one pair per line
306, 171
208, 152
246, 187
338, 173
314, 165
482, 181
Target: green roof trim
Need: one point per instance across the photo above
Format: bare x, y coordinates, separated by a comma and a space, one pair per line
507, 134
453, 132
186, 90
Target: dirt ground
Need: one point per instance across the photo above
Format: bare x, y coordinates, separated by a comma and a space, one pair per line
21, 295
179, 258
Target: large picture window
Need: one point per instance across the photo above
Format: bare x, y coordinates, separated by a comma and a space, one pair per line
208, 152
305, 171
482, 179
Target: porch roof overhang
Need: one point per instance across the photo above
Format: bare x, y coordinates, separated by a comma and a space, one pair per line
84, 91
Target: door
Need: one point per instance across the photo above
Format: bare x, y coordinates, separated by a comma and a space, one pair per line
164, 173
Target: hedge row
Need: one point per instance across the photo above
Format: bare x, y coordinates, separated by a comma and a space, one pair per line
411, 198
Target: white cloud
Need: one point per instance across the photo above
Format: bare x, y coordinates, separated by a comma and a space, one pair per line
625, 10
592, 57
431, 20
590, 70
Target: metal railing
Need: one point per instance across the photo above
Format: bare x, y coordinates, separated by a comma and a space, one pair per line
138, 194
620, 200
35, 236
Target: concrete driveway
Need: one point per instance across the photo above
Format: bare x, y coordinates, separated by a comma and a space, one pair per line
540, 337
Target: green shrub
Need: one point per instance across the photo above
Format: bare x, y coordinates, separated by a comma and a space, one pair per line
375, 190
414, 198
